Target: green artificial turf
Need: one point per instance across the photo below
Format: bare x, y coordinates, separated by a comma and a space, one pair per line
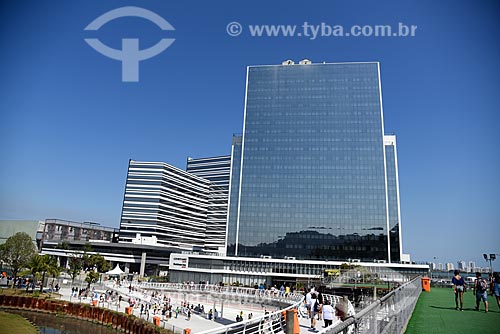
435, 313
15, 324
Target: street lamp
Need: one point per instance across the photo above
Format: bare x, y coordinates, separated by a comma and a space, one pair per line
432, 264
492, 257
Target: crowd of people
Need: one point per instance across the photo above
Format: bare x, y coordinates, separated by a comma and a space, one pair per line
480, 288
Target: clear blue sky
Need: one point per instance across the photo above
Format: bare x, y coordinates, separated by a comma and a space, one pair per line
68, 125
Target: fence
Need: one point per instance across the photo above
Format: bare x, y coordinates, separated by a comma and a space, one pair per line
195, 293
269, 323
275, 295
389, 314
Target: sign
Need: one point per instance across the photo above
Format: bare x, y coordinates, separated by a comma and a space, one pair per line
178, 261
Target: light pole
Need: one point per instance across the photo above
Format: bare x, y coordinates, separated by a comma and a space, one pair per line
492, 257
432, 264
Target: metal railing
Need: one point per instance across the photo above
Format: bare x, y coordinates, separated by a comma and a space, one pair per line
228, 291
389, 314
268, 323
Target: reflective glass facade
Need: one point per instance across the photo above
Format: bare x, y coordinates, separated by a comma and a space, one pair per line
234, 194
393, 196
313, 171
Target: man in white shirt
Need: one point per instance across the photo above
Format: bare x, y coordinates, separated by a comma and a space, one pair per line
308, 303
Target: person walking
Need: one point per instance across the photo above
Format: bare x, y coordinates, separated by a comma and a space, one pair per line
496, 287
315, 308
307, 301
458, 289
319, 297
328, 313
480, 289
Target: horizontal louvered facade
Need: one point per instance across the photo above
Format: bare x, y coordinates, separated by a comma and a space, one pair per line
216, 170
166, 203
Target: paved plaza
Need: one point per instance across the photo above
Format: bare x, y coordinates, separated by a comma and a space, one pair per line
226, 311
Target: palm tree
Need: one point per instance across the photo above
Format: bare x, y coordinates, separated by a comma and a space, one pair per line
40, 265
53, 268
35, 266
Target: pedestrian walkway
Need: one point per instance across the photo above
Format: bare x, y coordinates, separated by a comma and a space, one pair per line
435, 313
197, 323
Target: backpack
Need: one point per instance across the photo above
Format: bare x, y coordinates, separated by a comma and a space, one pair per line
482, 285
317, 306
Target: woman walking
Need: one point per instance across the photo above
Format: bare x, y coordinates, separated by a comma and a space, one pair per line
496, 287
458, 288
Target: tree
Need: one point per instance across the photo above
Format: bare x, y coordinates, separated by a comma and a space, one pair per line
100, 263
92, 264
75, 264
96, 264
35, 267
92, 277
53, 268
87, 258
17, 252
40, 265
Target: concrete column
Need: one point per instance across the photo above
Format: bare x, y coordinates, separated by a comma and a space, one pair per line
143, 264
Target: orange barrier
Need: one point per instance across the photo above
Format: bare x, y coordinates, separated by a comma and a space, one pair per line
187, 330
129, 310
94, 302
426, 284
294, 313
156, 320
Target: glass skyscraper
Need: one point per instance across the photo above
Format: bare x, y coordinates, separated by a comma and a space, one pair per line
314, 176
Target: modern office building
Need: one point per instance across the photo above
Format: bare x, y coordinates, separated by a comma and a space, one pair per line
393, 197
217, 171
318, 177
164, 205
310, 186
214, 169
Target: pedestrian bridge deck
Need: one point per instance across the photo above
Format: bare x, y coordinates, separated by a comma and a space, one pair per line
435, 313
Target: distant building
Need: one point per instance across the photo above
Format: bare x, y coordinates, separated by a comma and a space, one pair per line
450, 266
59, 230
462, 266
440, 266
472, 266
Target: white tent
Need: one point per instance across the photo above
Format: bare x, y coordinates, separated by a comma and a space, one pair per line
115, 271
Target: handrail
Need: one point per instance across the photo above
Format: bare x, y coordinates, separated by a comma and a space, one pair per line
357, 318
277, 295
274, 319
